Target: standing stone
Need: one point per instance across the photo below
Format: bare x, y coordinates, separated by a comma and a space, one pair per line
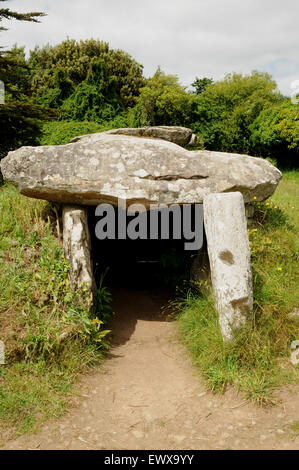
76, 242
229, 254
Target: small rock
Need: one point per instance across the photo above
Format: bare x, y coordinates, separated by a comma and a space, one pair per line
138, 434
294, 314
148, 417
179, 438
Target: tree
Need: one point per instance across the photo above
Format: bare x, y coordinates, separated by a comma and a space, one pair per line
96, 98
74, 58
164, 101
55, 97
227, 108
275, 134
11, 62
6, 13
200, 84
19, 116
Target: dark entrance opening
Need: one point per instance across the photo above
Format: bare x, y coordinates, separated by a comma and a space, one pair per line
142, 263
142, 276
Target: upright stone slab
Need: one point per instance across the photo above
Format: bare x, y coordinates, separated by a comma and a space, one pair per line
76, 241
229, 254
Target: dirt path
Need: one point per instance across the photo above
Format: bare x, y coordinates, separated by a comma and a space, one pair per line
149, 396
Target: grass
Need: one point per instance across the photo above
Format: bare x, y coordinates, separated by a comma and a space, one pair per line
295, 427
259, 360
50, 336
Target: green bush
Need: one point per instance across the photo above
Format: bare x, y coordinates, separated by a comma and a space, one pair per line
164, 101
94, 99
227, 108
61, 132
73, 59
275, 134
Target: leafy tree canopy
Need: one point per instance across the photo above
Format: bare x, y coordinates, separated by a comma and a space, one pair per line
227, 108
200, 84
275, 134
73, 58
96, 98
20, 118
164, 101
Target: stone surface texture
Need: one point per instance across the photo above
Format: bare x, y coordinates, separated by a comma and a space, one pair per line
229, 255
100, 168
76, 242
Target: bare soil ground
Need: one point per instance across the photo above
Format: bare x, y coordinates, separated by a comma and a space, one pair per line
148, 395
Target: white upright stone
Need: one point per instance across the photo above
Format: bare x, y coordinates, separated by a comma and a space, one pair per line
229, 254
76, 242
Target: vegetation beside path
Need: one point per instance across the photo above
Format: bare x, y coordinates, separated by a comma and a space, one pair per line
259, 361
49, 334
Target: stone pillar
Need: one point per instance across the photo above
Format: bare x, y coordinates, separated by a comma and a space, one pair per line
76, 242
229, 254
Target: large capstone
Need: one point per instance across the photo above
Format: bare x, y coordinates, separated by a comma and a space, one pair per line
105, 167
229, 255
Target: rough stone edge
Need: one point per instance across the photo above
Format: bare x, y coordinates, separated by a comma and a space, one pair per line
77, 247
233, 302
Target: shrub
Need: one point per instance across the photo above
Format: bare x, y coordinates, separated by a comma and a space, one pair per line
61, 132
275, 134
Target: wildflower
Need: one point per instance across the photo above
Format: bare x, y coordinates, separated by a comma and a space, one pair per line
254, 197
279, 269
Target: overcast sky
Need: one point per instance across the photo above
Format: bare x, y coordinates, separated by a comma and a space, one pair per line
185, 37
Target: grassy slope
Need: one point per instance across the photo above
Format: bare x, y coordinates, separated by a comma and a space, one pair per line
259, 360
48, 333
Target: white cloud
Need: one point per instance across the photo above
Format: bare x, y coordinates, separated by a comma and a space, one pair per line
188, 38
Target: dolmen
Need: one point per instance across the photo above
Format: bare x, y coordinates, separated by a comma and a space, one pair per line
151, 166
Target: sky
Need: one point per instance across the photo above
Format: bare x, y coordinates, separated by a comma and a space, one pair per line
188, 38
